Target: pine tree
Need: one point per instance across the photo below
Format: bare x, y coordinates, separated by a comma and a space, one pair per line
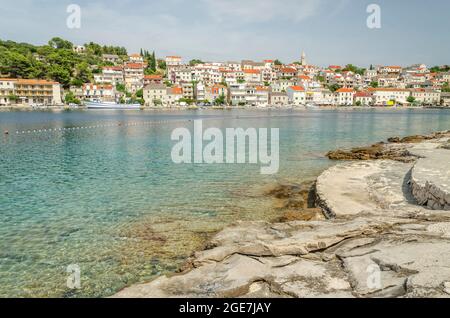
153, 64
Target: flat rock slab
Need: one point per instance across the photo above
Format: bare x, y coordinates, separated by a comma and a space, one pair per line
375, 187
430, 179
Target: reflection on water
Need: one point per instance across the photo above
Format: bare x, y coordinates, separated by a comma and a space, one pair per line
110, 199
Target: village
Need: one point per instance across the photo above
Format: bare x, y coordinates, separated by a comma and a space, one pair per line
269, 83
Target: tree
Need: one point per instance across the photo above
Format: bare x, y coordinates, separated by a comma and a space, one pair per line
162, 64
220, 100
121, 88
13, 98
188, 101
411, 99
153, 62
14, 64
58, 43
358, 103
195, 62
374, 84
277, 62
71, 99
240, 81
83, 73
59, 74
446, 88
354, 69
140, 93
334, 87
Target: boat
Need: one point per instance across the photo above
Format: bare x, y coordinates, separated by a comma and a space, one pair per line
110, 105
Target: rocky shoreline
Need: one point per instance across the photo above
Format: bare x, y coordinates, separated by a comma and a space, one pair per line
375, 225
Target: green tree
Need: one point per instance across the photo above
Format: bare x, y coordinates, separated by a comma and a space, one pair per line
411, 99
58, 43
13, 98
153, 62
195, 62
83, 73
334, 87
162, 65
277, 62
140, 93
71, 99
121, 88
221, 100
59, 74
374, 84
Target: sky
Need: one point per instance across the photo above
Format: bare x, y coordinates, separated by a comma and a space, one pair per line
329, 31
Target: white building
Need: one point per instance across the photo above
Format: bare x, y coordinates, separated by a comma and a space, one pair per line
279, 99
427, 96
389, 96
345, 96
155, 95
110, 75
6, 91
134, 76
102, 92
296, 95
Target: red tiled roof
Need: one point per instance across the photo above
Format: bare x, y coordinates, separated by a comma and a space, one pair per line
297, 88
35, 82
288, 70
363, 94
252, 71
304, 77
134, 65
113, 68
150, 77
345, 90
177, 90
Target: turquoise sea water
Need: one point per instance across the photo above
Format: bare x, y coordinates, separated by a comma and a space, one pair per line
109, 199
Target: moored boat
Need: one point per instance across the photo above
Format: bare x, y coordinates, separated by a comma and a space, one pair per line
111, 105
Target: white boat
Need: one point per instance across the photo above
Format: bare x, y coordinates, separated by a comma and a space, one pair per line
311, 105
111, 105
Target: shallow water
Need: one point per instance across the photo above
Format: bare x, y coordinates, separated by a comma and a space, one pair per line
109, 199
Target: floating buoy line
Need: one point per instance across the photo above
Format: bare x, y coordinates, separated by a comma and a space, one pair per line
131, 124
98, 126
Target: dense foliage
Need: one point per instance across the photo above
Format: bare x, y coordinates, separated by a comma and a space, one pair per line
55, 61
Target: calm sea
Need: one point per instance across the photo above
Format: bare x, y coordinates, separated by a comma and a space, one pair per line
105, 196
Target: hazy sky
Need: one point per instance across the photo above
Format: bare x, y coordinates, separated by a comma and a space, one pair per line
330, 31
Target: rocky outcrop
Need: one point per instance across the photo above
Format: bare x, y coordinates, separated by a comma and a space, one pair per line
395, 149
430, 180
296, 202
378, 241
374, 152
